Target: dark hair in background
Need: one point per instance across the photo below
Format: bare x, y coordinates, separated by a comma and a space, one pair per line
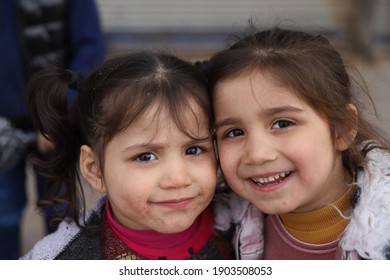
310, 66
113, 96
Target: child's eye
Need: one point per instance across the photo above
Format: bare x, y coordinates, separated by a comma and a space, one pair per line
194, 151
234, 133
280, 124
146, 157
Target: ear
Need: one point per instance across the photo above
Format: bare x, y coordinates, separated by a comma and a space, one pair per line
90, 168
344, 141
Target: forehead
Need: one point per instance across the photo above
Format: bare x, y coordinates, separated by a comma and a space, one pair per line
256, 95
259, 85
192, 119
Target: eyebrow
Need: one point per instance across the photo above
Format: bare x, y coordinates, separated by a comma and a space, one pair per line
156, 146
144, 146
266, 112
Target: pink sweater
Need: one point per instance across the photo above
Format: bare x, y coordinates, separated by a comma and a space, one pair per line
281, 245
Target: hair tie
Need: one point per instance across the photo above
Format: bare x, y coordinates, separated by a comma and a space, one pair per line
76, 81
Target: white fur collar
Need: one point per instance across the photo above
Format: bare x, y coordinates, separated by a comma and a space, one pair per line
368, 232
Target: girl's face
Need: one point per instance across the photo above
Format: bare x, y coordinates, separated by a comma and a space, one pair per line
274, 149
158, 178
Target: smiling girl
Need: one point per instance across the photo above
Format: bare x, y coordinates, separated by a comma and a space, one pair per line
140, 134
293, 141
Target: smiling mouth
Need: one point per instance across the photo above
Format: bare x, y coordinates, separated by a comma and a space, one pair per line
271, 180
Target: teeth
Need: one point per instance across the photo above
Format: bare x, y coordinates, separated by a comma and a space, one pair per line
271, 178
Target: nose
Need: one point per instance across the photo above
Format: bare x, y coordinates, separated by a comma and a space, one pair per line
176, 174
259, 150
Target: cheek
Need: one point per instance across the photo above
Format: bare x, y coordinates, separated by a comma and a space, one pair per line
301, 155
229, 165
313, 162
127, 186
207, 174
222, 155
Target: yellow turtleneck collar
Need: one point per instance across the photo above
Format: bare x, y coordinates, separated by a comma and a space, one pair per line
320, 226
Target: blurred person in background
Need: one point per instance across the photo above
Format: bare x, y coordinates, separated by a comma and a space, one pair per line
34, 34
357, 22
360, 28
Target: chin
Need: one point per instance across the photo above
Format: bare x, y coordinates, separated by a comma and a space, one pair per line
273, 210
175, 228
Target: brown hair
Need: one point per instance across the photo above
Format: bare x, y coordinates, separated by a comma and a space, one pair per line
113, 96
310, 66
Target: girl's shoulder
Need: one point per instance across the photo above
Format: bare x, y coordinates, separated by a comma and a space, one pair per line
86, 244
49, 247
68, 240
237, 217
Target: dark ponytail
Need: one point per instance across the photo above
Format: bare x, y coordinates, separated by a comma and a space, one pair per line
47, 98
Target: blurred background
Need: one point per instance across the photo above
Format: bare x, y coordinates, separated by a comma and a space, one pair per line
196, 29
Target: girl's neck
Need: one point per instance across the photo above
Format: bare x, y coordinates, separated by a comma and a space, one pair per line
320, 226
